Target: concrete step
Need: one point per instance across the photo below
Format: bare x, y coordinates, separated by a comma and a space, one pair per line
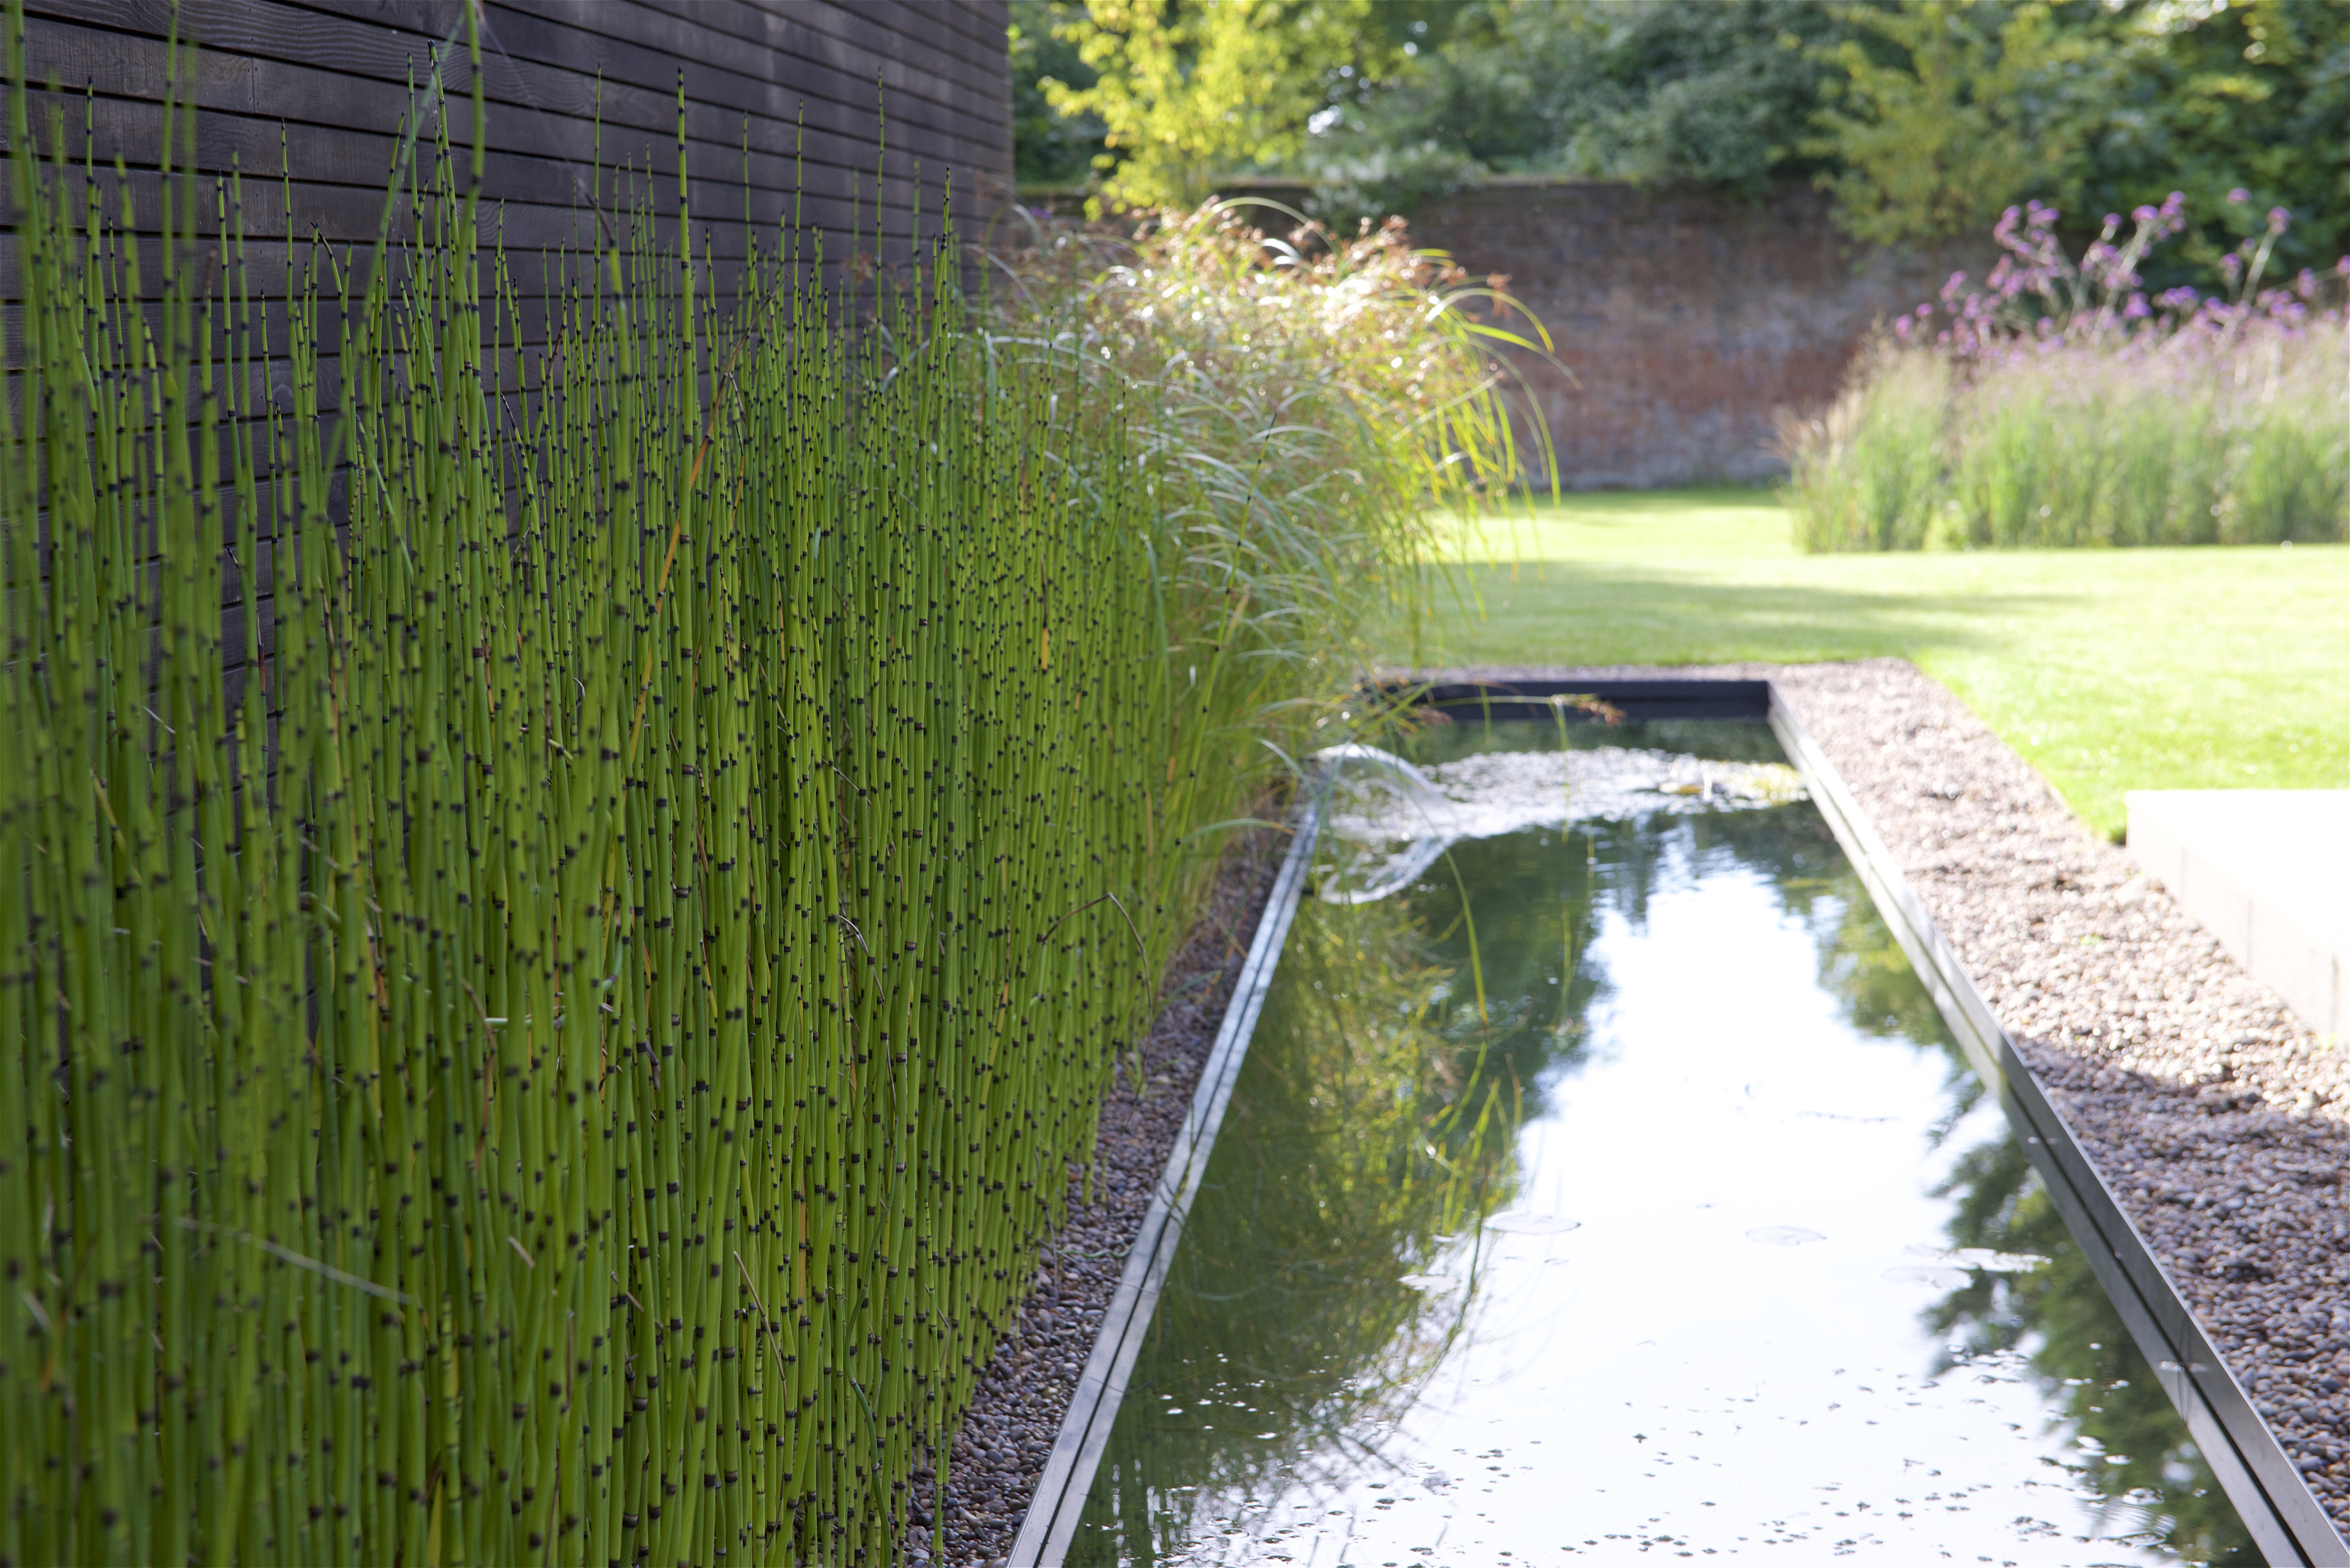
2267, 871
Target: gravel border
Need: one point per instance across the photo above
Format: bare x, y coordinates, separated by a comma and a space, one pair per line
1023, 1392
2219, 1120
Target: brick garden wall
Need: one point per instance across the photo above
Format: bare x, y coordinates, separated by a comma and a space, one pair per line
1686, 318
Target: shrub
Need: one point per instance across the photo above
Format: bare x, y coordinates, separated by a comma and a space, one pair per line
2059, 406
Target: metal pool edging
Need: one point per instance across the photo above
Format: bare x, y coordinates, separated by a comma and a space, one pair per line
2286, 1521
1646, 701
1052, 1520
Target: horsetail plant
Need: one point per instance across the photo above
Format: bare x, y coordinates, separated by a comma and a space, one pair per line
563, 918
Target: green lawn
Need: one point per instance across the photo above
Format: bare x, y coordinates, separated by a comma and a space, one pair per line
2110, 670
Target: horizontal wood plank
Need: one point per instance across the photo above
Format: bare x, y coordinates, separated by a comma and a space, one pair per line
791, 105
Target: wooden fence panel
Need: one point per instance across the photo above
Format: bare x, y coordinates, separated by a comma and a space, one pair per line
850, 113
848, 118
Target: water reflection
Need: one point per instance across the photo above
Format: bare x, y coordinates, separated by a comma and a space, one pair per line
2136, 1453
1367, 1130
1361, 1334
2096, 1383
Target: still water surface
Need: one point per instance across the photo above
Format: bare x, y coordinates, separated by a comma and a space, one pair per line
1641, 1207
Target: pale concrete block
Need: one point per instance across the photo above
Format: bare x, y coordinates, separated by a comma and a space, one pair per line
2296, 963
2267, 872
2154, 843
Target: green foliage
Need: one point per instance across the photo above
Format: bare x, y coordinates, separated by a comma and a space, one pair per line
2254, 97
1925, 119
555, 1028
2247, 442
1946, 113
1650, 91
1413, 98
1369, 1124
1941, 115
1190, 90
1868, 474
1049, 147
1309, 403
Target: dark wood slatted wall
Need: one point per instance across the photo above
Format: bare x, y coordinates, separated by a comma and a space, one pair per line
788, 105
792, 107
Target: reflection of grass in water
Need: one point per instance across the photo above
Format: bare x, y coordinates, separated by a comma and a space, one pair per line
1362, 1135
2093, 1379
1286, 1313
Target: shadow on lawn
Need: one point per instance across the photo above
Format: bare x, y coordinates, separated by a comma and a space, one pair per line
1562, 612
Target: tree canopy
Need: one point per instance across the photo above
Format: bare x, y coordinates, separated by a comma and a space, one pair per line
1937, 116
1185, 90
1922, 118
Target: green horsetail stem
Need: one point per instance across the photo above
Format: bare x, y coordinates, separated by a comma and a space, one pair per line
563, 921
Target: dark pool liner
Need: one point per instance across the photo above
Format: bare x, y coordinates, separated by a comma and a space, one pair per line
2251, 1466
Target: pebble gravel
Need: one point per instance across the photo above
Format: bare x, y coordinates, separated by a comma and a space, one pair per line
2218, 1118
1023, 1392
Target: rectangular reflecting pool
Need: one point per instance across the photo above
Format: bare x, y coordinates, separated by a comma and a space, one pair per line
1601, 1183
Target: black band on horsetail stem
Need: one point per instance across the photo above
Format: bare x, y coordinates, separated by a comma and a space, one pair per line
553, 1030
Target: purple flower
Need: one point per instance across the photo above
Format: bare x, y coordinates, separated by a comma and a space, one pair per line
2238, 194
2095, 305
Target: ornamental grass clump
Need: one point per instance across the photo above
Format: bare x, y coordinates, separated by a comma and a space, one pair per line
1867, 475
2057, 405
1315, 406
562, 923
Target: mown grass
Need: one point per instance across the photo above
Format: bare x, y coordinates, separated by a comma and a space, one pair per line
2108, 670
